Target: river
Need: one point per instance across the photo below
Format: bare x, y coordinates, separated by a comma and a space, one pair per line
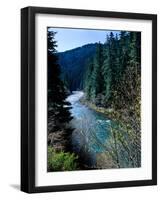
91, 130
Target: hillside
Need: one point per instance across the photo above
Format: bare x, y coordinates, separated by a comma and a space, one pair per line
73, 63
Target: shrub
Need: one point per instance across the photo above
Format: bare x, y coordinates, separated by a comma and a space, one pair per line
61, 161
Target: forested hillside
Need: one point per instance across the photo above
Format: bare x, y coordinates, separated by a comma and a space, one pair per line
112, 85
113, 72
73, 63
109, 77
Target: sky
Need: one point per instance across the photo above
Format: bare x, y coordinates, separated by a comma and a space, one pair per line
68, 38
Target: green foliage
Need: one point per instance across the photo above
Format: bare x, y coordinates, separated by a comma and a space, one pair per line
115, 83
93, 83
73, 65
59, 115
61, 161
58, 108
110, 75
109, 69
124, 145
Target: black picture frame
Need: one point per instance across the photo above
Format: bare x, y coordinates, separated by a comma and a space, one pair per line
28, 98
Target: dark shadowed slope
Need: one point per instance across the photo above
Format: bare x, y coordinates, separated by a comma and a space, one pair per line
73, 63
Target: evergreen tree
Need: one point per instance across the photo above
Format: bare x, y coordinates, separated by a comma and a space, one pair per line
113, 79
58, 107
124, 43
97, 81
126, 92
106, 71
93, 77
111, 67
88, 79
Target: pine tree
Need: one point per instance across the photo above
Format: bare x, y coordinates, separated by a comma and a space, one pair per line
88, 79
58, 107
106, 71
94, 78
112, 68
115, 73
97, 75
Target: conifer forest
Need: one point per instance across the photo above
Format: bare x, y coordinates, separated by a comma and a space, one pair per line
94, 100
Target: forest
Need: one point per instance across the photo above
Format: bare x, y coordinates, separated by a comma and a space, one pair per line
109, 76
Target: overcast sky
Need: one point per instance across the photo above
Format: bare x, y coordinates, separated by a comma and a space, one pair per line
68, 38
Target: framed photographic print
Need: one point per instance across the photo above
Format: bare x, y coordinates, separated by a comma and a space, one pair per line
88, 99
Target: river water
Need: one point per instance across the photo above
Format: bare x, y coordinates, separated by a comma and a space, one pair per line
91, 130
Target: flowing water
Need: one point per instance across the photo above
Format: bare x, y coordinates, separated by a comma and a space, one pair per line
91, 130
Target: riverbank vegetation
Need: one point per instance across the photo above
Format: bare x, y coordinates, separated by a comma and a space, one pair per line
61, 161
109, 74
59, 116
112, 85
